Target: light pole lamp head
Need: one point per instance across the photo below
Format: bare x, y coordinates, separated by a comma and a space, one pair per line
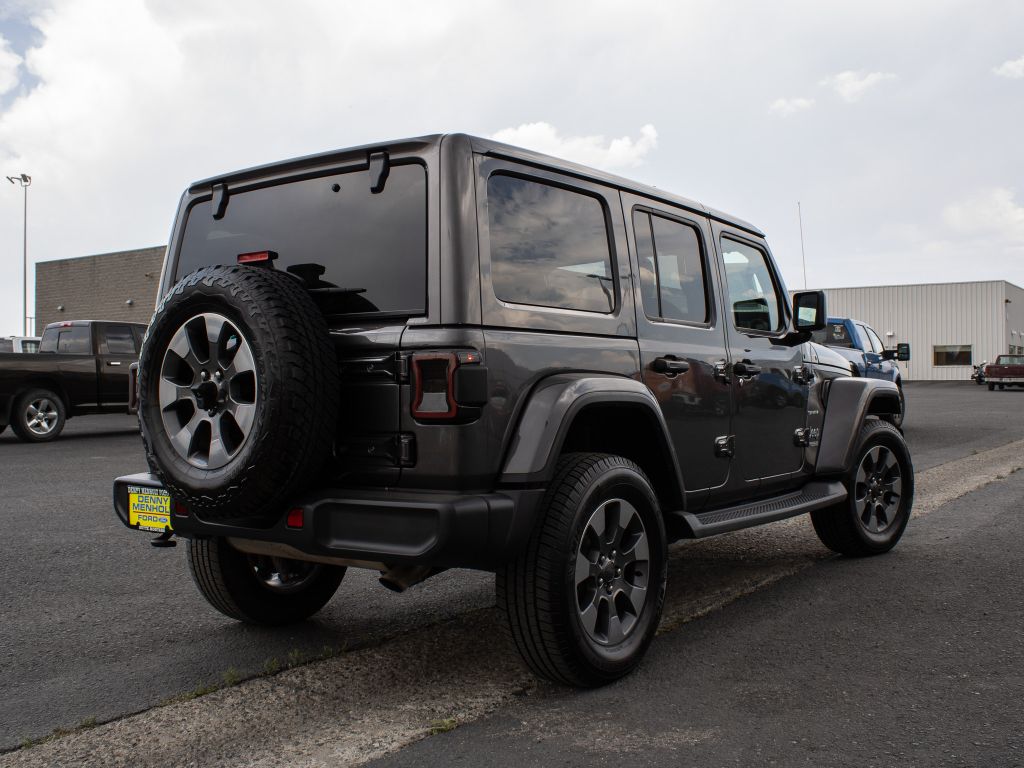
22, 178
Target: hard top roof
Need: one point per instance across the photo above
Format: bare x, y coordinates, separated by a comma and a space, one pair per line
483, 146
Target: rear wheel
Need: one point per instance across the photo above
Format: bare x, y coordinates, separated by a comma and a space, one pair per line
38, 416
258, 589
991, 387
584, 598
880, 486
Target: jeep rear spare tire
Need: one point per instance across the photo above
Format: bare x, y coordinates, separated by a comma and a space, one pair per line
238, 392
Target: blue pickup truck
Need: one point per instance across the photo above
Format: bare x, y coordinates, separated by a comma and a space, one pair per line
859, 343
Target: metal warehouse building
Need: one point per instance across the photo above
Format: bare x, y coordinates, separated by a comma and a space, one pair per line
949, 326
108, 286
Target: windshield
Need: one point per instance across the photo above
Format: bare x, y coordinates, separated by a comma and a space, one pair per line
358, 252
1010, 360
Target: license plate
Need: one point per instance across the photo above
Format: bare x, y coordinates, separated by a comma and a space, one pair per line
149, 509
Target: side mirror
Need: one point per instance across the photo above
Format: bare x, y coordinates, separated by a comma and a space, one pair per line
889, 354
809, 311
903, 352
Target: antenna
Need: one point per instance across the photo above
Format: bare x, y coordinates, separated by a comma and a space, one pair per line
803, 256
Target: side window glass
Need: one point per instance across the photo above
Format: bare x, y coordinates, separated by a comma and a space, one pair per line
752, 295
118, 340
76, 340
549, 246
876, 343
671, 269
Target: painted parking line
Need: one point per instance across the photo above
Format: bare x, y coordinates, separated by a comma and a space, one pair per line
369, 703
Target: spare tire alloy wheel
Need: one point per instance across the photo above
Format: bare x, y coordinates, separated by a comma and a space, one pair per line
208, 390
232, 365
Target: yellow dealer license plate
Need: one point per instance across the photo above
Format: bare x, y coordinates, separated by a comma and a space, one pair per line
149, 509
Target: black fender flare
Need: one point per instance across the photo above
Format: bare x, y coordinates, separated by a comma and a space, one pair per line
850, 402
552, 406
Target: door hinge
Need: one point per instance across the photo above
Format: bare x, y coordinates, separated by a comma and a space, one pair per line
725, 446
803, 375
722, 371
802, 436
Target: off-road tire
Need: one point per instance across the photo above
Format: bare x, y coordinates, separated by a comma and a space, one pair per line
839, 526
537, 589
19, 418
296, 377
227, 579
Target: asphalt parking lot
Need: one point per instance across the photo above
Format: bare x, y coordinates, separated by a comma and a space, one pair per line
98, 625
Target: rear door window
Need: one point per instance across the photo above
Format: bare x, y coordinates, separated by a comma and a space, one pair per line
358, 252
549, 245
117, 340
672, 278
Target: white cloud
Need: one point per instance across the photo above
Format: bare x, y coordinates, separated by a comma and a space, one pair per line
595, 151
9, 64
786, 107
1013, 69
991, 215
852, 85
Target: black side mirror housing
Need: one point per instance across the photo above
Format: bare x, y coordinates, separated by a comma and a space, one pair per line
903, 352
889, 354
809, 311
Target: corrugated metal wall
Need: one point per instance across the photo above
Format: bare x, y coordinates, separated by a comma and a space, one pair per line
927, 316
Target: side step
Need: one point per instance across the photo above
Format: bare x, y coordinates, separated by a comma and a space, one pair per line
814, 495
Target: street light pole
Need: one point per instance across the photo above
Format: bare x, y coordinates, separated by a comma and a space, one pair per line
803, 256
25, 180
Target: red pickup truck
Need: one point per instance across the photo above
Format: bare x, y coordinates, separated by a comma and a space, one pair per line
1006, 371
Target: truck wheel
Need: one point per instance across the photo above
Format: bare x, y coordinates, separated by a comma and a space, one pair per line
238, 392
257, 589
991, 387
896, 419
584, 597
38, 416
880, 483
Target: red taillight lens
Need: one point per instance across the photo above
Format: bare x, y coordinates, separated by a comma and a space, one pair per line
433, 377
256, 257
295, 518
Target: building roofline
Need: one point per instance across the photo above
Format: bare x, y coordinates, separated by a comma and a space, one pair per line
916, 285
100, 255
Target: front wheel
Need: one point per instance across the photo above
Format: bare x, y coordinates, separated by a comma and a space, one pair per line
880, 486
38, 416
258, 589
584, 597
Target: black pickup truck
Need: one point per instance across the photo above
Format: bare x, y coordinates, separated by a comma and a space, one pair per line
81, 367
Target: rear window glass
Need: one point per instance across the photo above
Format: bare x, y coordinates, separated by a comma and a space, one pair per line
1010, 360
549, 246
69, 340
833, 335
357, 251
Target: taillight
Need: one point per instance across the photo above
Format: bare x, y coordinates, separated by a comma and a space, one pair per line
434, 378
295, 518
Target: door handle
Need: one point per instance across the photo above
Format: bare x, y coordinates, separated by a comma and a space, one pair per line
670, 366
746, 369
113, 362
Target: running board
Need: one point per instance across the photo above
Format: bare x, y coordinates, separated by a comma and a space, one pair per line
812, 496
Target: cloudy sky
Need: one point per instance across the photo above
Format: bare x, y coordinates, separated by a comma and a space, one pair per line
899, 126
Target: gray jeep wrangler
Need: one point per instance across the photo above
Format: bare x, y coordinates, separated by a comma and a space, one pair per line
447, 352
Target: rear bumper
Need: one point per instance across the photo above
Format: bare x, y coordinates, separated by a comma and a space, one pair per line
375, 526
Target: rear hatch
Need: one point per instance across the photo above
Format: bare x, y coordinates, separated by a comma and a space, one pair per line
356, 236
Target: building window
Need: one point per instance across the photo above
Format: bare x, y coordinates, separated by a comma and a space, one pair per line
952, 354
